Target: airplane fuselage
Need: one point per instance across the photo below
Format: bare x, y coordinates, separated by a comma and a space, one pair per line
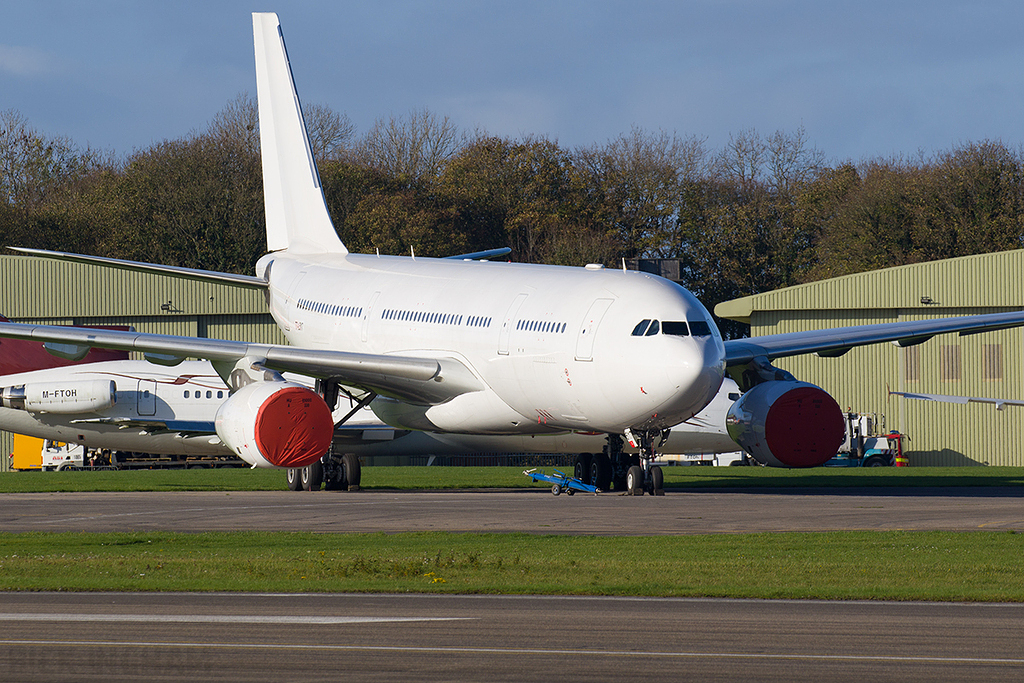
553, 347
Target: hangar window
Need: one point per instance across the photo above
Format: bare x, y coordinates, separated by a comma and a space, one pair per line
950, 363
992, 362
912, 363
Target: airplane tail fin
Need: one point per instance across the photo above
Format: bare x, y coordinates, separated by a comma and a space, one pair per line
297, 217
22, 355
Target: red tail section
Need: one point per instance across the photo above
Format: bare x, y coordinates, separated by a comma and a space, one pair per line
20, 355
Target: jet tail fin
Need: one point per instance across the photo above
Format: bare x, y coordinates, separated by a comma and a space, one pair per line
297, 217
23, 355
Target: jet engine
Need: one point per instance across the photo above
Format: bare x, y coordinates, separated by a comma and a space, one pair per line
787, 424
275, 424
65, 398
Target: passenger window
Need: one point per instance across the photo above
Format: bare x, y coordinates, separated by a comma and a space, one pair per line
675, 328
700, 328
209, 394
186, 393
653, 329
641, 327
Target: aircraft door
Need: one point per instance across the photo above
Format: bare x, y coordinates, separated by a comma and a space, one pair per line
585, 340
506, 325
367, 314
146, 403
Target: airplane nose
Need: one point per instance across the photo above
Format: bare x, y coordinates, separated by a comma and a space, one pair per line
698, 370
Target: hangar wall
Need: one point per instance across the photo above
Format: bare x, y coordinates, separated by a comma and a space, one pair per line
38, 290
986, 365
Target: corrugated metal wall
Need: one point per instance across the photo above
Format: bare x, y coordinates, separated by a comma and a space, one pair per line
987, 365
37, 290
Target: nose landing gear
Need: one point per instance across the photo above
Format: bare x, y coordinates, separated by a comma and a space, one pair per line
645, 476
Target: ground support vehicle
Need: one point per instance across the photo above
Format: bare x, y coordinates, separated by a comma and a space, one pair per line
560, 481
31, 453
863, 448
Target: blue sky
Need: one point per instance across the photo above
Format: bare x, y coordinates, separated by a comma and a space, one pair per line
865, 79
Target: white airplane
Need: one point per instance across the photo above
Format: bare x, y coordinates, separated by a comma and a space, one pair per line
478, 348
134, 406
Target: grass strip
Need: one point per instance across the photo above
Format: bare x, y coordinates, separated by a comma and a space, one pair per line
899, 565
448, 478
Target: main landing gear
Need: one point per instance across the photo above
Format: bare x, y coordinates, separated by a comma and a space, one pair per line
632, 474
335, 473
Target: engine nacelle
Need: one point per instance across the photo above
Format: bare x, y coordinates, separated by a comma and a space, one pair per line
65, 398
275, 424
787, 424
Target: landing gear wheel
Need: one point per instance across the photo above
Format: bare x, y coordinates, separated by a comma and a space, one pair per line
657, 481
555, 489
353, 471
635, 481
601, 471
569, 492
312, 476
622, 465
294, 480
581, 467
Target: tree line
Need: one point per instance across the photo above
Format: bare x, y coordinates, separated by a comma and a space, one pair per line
762, 212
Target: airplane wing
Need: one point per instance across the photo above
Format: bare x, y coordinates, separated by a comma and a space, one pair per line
350, 433
183, 428
836, 341
963, 400
141, 267
208, 275
425, 381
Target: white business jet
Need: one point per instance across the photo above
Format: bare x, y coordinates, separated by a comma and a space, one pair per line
476, 347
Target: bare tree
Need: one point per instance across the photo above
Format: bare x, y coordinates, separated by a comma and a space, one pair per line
238, 121
416, 146
641, 177
32, 166
791, 162
330, 133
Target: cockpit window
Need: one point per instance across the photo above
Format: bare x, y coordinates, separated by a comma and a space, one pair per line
653, 329
675, 328
640, 328
700, 328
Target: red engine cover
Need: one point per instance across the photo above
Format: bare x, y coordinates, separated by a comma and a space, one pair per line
787, 424
802, 427
293, 428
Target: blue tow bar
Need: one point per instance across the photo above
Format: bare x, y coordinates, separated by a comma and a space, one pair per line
560, 481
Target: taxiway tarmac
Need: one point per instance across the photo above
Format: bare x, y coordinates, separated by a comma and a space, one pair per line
531, 510
113, 637
110, 636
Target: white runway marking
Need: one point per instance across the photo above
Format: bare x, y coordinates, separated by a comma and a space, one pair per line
215, 618
907, 659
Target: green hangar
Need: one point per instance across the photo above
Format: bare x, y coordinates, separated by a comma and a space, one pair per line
984, 365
